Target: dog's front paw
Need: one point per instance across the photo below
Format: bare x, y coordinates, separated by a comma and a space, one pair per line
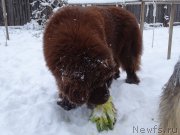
117, 75
66, 105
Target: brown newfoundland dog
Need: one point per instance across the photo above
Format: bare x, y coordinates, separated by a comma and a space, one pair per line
84, 48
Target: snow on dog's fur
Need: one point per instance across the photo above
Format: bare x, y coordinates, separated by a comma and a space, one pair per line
84, 48
170, 105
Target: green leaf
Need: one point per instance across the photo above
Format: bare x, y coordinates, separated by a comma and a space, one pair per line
104, 116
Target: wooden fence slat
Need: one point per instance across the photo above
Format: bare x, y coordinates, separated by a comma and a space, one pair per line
29, 11
1, 15
173, 6
19, 12
8, 5
142, 17
5, 18
14, 11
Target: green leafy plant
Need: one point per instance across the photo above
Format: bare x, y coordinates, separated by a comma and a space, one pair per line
104, 116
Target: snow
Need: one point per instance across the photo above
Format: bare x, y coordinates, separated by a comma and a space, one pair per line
28, 91
147, 10
45, 4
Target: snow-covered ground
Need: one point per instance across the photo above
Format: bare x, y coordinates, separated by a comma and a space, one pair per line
28, 91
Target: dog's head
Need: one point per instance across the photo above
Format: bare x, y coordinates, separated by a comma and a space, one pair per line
85, 72
86, 79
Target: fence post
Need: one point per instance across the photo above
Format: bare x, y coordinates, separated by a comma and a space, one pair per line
142, 17
171, 30
5, 18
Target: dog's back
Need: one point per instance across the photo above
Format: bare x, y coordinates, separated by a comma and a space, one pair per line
170, 105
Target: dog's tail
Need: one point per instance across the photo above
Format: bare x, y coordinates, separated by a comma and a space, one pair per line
170, 105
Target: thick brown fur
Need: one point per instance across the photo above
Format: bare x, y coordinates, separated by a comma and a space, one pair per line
84, 48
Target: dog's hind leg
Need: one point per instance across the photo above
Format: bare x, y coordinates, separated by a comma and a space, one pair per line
130, 56
130, 64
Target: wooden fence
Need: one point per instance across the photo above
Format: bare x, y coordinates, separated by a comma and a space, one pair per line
161, 11
19, 12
